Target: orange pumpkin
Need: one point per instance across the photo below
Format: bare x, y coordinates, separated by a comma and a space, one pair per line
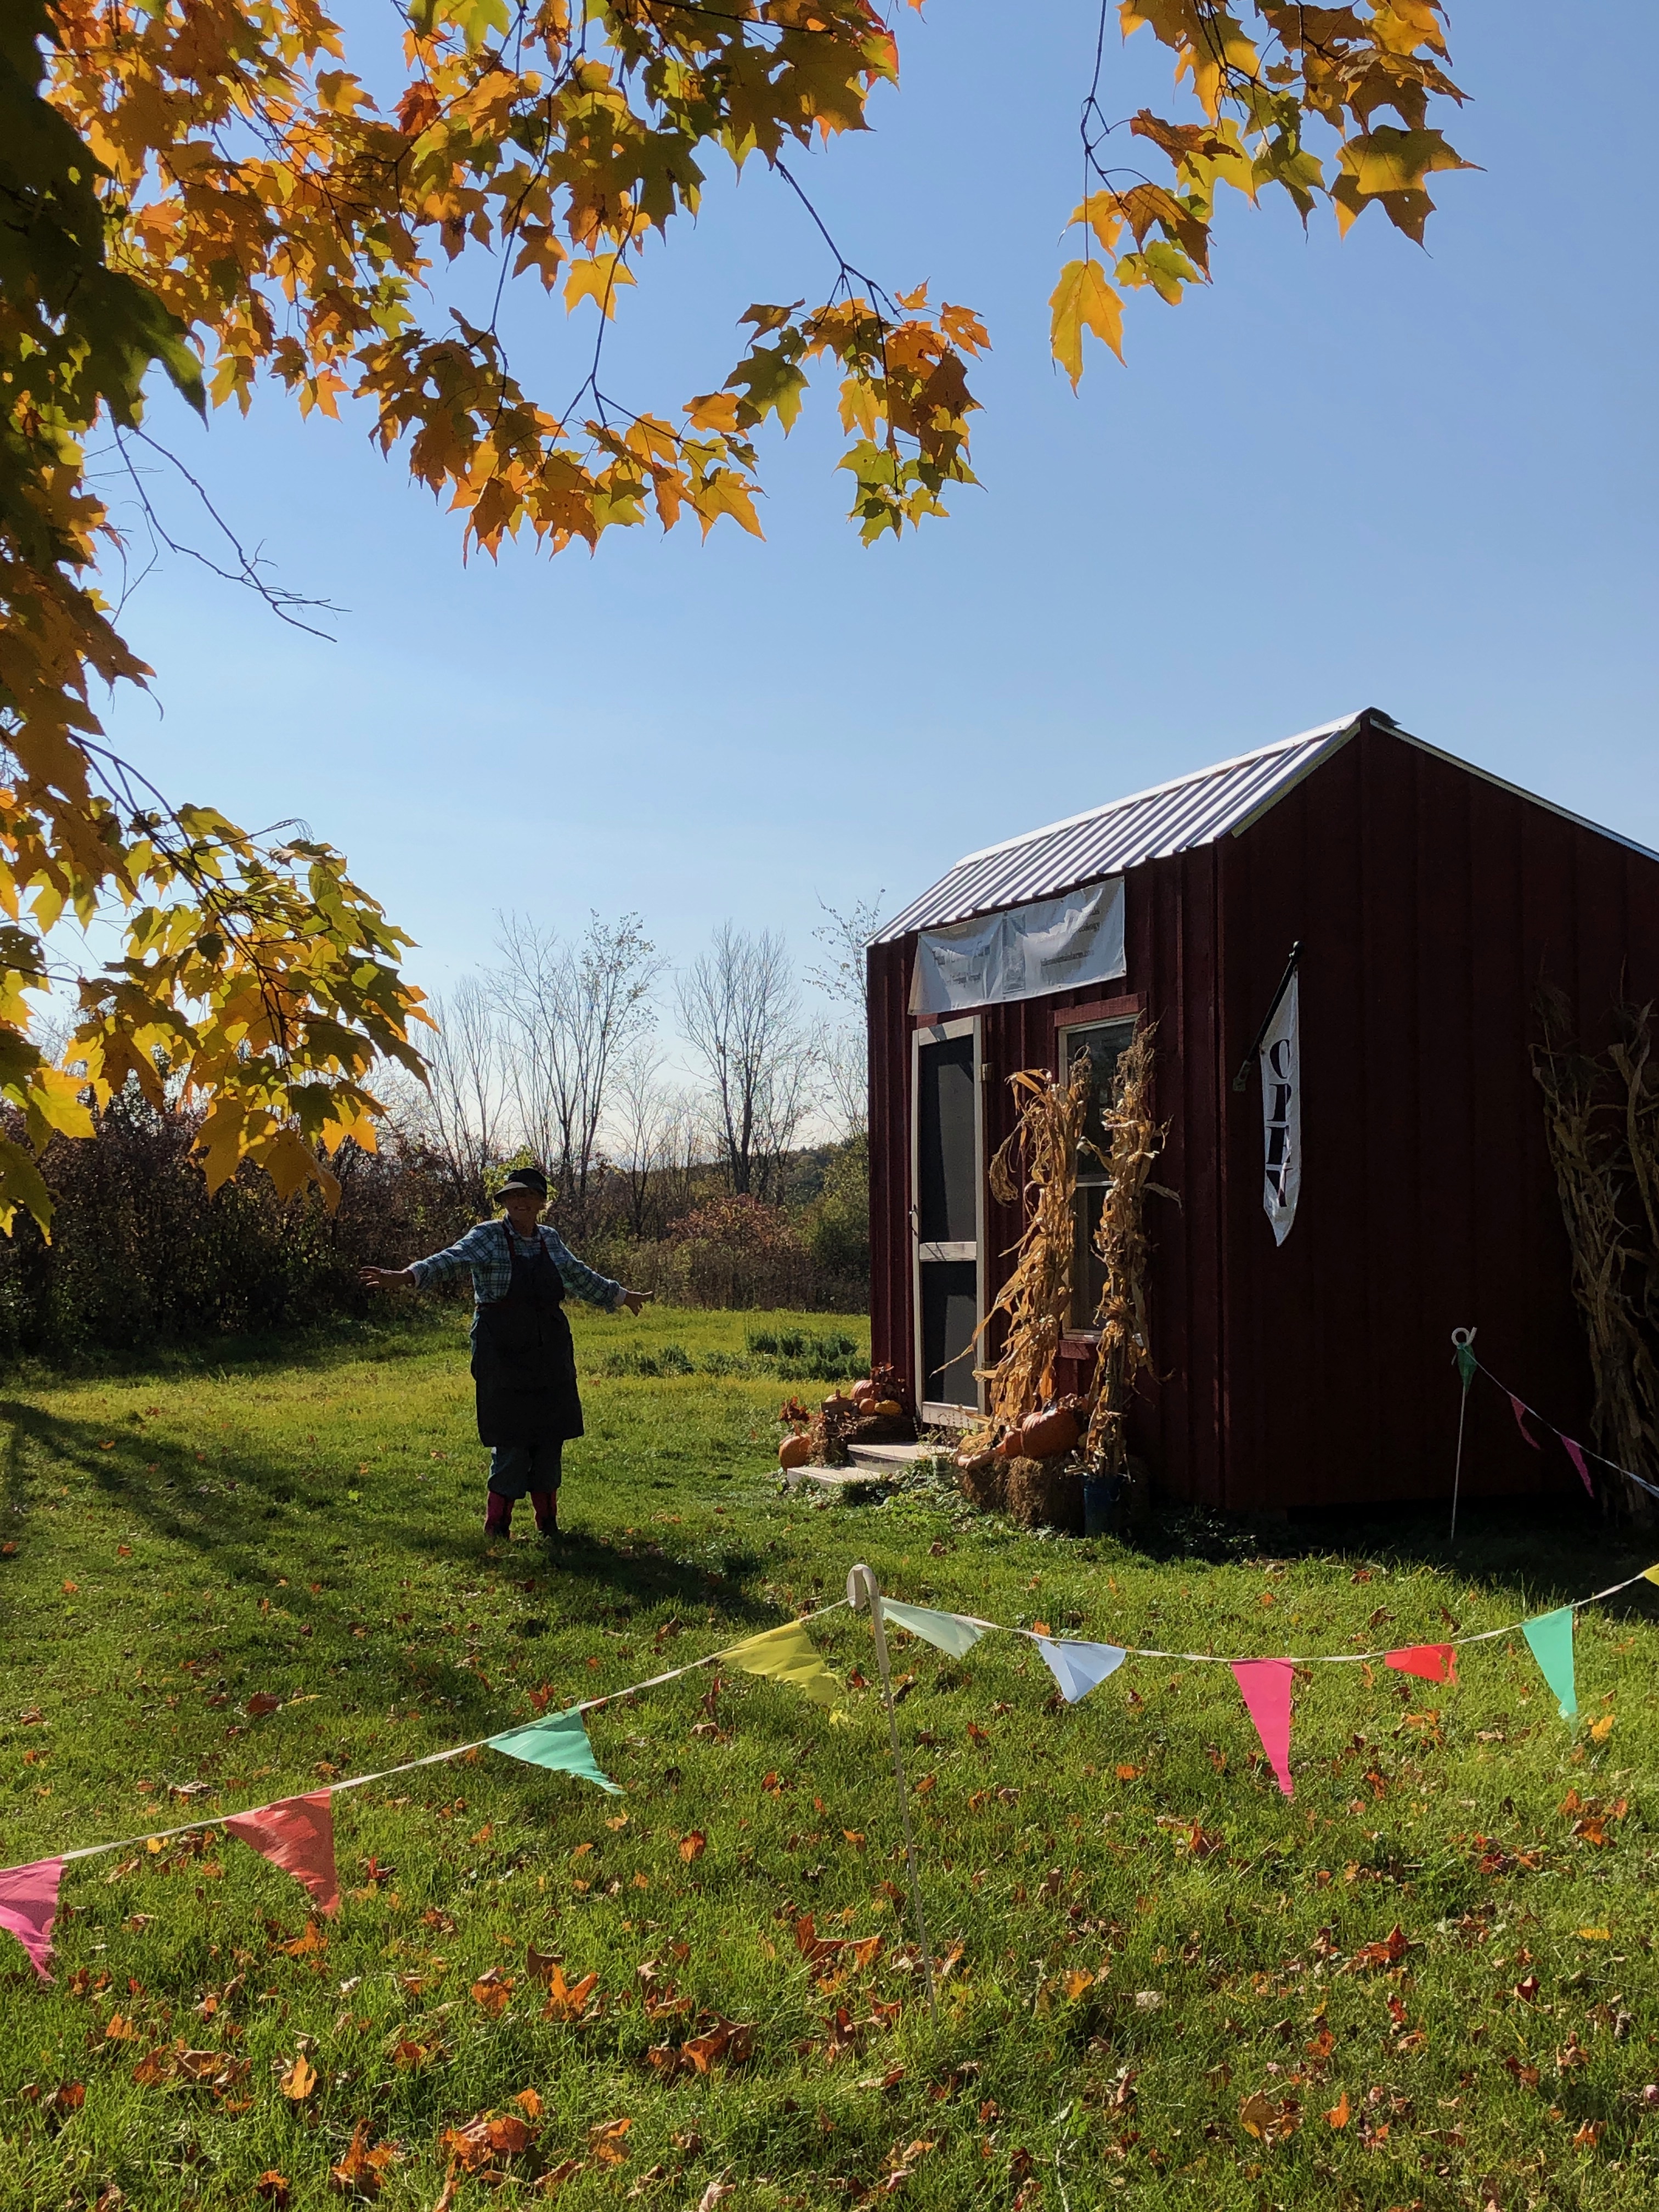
1043, 1435
794, 1451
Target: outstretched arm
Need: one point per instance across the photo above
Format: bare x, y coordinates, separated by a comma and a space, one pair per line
386, 1279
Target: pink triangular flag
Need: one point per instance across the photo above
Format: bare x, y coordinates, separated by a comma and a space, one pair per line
1435, 1662
298, 1836
1574, 1453
28, 1905
1521, 1412
1265, 1684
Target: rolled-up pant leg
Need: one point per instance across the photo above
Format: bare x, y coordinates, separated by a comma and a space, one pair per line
532, 1471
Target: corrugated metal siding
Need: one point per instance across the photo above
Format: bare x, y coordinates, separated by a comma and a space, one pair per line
1430, 901
1196, 810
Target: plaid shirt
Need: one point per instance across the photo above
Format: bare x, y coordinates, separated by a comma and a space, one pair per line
484, 1250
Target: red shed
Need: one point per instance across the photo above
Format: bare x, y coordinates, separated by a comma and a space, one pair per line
1305, 1359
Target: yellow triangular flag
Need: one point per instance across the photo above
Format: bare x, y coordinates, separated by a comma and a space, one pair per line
1651, 1574
787, 1654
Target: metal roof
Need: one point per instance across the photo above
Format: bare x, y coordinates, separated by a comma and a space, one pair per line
1171, 817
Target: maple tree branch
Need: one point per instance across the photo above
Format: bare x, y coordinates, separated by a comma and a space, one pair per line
281, 602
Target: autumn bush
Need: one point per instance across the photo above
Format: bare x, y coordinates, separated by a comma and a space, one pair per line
141, 1255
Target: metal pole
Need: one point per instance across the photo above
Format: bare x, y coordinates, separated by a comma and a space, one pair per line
1463, 1344
863, 1589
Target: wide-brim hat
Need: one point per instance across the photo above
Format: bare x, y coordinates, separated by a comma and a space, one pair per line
531, 1179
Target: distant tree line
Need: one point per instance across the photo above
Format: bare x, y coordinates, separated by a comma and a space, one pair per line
745, 1184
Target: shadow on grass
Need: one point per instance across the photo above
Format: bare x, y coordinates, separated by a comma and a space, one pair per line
1545, 1551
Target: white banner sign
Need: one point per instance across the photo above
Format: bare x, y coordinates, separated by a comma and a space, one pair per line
1281, 1113
1053, 945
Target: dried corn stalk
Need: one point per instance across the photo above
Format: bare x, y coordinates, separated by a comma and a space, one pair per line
1036, 1168
1135, 1142
1605, 1153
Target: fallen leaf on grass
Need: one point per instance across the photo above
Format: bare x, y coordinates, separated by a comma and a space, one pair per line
493, 1991
273, 2188
1269, 2122
605, 2141
1588, 2136
529, 2104
262, 1702
692, 1846
567, 2000
299, 2078
716, 2194
1339, 2114
1601, 1730
1077, 1981
412, 2055
362, 2168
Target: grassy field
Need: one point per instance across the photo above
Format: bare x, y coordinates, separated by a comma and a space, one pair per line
1427, 1981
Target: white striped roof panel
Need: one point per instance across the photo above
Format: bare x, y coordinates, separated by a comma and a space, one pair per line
1172, 817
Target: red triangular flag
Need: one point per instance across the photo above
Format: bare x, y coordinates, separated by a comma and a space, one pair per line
298, 1836
1521, 1412
1435, 1662
28, 1905
1575, 1454
1265, 1684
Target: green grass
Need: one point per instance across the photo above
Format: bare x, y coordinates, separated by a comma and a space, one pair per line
306, 1523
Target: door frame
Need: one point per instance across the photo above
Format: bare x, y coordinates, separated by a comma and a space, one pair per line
935, 1412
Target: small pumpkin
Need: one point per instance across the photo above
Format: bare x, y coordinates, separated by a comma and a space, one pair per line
888, 1406
863, 1392
1008, 1444
1043, 1435
794, 1451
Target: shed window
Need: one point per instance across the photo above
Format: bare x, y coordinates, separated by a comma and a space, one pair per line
1102, 1044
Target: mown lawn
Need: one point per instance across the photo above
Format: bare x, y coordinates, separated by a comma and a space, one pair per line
1426, 1981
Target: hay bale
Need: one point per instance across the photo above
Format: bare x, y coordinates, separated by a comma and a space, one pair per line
984, 1486
1045, 1493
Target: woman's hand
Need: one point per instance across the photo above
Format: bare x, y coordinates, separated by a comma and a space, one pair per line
634, 1300
385, 1278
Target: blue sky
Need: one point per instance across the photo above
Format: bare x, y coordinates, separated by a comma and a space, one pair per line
1347, 474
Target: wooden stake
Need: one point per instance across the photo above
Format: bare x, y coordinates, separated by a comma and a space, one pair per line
862, 1589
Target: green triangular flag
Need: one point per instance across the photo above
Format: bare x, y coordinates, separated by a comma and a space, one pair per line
949, 1630
1551, 1638
787, 1654
559, 1744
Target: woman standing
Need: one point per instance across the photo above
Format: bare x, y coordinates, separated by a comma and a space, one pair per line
523, 1363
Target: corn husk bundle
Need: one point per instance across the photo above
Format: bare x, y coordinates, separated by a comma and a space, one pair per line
1601, 1122
1135, 1142
1036, 1169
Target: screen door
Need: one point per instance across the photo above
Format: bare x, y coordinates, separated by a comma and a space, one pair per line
946, 1214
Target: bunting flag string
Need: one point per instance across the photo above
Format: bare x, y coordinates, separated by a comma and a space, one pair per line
1265, 1685
1078, 1667
559, 1744
297, 1833
1577, 1453
28, 1905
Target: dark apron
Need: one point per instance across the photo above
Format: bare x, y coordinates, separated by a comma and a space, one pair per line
524, 1362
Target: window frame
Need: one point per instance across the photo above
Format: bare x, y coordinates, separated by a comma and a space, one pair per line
1074, 1021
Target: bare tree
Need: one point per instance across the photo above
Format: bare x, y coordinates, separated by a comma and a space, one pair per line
461, 1112
843, 976
740, 1013
843, 972
571, 1010
659, 1139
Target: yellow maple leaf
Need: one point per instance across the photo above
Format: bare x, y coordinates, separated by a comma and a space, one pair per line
1083, 299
